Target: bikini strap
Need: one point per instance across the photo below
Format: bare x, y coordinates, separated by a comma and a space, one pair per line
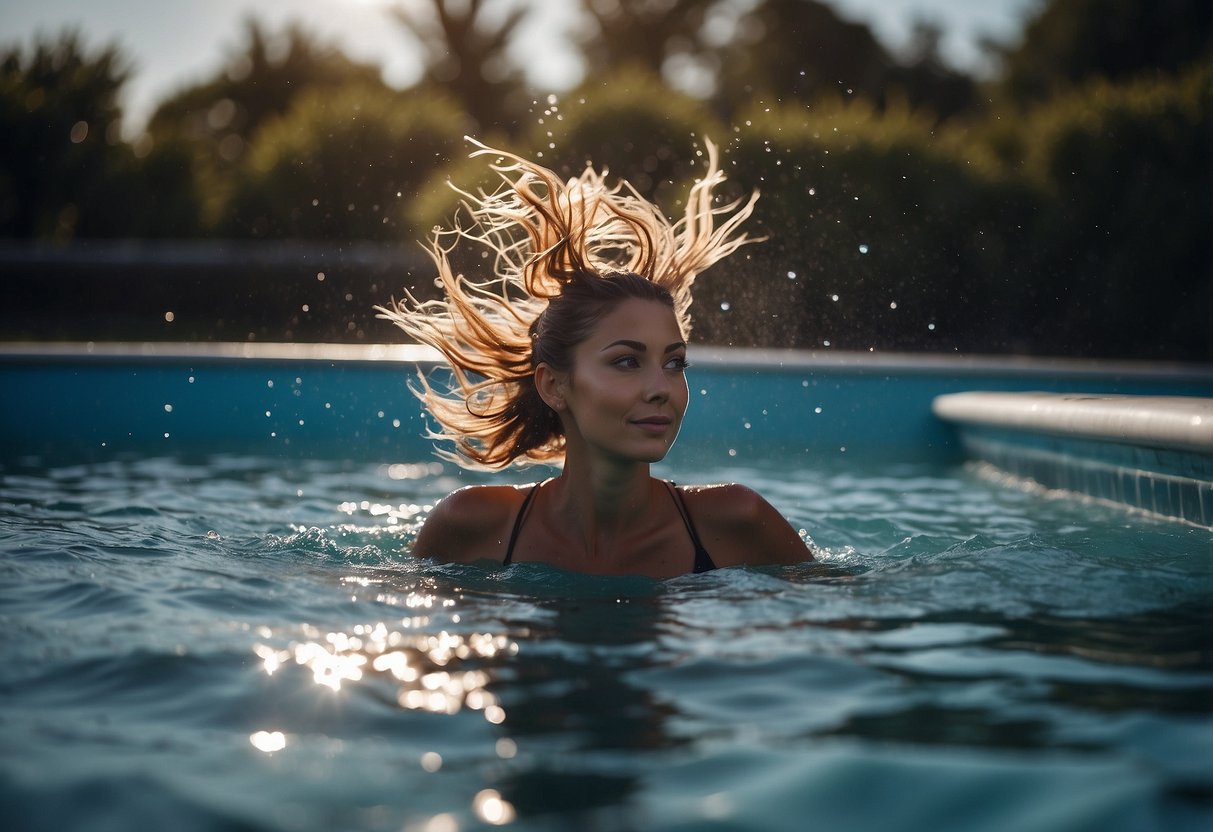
522, 510
703, 560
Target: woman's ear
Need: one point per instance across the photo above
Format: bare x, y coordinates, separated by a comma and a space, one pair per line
551, 386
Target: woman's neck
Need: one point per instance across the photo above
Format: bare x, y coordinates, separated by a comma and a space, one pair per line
601, 501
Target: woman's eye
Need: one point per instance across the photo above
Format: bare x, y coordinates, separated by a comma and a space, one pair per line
678, 363
626, 362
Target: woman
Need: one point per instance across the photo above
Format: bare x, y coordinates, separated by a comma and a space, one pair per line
574, 350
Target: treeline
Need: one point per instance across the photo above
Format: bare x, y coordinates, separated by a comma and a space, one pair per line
1062, 207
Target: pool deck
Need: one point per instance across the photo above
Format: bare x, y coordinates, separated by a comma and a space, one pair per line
1150, 453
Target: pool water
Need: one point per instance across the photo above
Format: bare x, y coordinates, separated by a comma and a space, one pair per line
230, 642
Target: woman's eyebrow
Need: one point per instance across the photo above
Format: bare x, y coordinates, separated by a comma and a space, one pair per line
623, 342
639, 347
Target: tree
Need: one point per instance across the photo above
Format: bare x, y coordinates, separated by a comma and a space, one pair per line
64, 169
634, 126
642, 34
1070, 41
345, 167
465, 54
218, 118
802, 49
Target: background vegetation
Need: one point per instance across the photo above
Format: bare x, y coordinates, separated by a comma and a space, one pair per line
1062, 207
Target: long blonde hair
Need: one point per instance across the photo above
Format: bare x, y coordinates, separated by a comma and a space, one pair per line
576, 247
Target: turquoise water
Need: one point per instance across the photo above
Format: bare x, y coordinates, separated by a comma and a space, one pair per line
229, 642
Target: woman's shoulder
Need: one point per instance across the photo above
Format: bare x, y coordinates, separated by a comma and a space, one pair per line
738, 526
724, 504
472, 523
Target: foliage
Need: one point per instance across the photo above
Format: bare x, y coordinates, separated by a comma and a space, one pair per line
217, 118
1067, 213
465, 55
632, 125
1070, 41
344, 166
877, 237
1121, 243
64, 168
642, 33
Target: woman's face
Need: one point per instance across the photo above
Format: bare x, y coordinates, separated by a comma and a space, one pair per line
627, 392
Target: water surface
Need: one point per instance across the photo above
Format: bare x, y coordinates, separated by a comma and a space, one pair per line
229, 642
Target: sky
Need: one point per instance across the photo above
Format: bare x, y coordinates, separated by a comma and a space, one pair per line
173, 43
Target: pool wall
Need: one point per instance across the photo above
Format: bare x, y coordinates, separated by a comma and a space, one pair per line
322, 399
1150, 453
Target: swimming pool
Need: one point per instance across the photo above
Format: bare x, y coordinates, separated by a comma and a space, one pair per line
220, 629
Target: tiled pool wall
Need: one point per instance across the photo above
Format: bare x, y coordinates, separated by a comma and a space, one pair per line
296, 401
1162, 482
1149, 453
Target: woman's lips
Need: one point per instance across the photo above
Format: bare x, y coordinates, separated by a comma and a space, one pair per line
653, 424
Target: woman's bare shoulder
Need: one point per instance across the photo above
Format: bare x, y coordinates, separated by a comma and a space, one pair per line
470, 524
738, 526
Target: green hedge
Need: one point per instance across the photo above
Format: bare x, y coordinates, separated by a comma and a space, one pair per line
345, 165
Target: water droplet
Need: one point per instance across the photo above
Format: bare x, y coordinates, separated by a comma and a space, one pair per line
320, 276
834, 298
893, 305
817, 409
268, 741
931, 327
431, 761
168, 408
791, 275
725, 306
732, 452
169, 316
863, 248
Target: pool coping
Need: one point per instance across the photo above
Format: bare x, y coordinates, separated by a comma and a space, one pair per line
1178, 422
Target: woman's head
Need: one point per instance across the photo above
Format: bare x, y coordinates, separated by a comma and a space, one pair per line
569, 318
582, 303
564, 255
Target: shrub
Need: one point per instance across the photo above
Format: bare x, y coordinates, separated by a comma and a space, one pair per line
345, 165
631, 124
879, 237
1121, 247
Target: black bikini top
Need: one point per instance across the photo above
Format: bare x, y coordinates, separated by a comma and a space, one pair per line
703, 561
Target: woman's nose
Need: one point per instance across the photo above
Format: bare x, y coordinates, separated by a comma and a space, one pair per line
657, 386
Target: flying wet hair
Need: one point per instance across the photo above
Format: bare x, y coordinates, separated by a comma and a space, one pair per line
559, 256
